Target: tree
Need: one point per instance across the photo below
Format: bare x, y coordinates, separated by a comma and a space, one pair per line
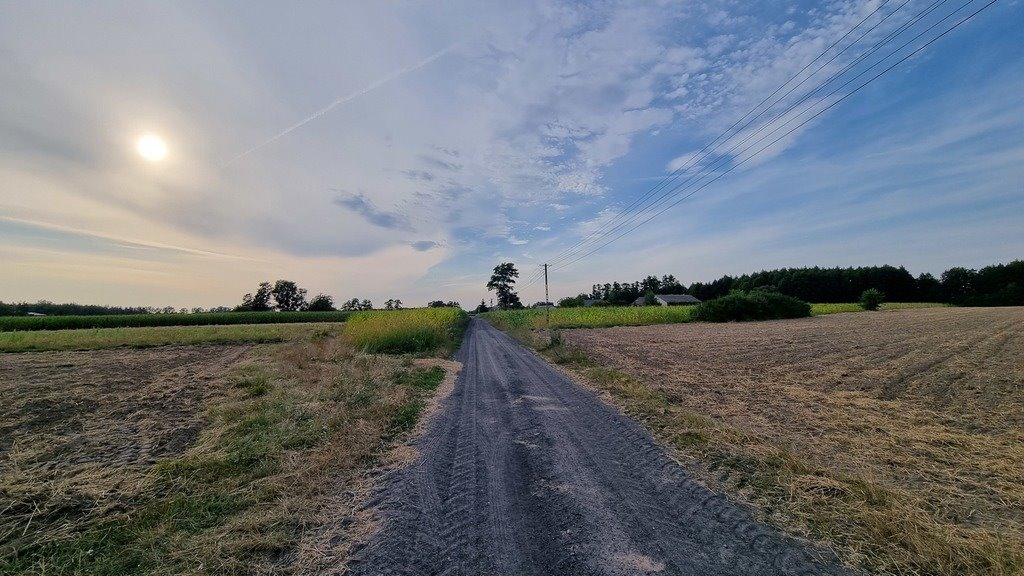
871, 299
351, 305
482, 307
503, 282
366, 305
258, 302
288, 296
389, 304
321, 303
436, 304
649, 299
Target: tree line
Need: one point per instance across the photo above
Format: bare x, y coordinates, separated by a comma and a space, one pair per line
995, 285
282, 295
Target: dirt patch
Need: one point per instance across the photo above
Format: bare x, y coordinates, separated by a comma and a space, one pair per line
924, 404
79, 430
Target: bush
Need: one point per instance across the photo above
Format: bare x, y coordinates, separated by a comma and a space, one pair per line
755, 305
871, 299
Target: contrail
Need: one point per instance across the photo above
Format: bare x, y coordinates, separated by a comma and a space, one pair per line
373, 86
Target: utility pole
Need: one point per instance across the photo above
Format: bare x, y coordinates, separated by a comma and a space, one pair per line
547, 299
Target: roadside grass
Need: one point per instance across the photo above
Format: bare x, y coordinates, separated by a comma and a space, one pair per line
95, 338
822, 309
884, 529
413, 331
8, 323
594, 317
292, 427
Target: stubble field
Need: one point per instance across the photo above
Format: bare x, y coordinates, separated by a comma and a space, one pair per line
897, 437
165, 451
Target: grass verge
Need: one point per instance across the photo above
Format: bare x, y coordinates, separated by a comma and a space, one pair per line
91, 339
882, 528
290, 429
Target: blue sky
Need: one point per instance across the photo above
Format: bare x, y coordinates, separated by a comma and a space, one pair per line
402, 149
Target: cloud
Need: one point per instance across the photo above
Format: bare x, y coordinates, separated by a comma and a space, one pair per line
361, 205
550, 112
424, 245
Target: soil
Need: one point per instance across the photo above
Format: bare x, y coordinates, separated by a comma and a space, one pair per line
929, 401
79, 430
524, 472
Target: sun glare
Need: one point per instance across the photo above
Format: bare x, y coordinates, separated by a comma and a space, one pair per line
151, 148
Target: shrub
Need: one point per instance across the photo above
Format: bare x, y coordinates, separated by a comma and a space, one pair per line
755, 305
871, 299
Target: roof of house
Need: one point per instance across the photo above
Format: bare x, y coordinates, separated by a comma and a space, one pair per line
678, 299
670, 299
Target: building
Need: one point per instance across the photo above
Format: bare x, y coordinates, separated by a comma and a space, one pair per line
669, 300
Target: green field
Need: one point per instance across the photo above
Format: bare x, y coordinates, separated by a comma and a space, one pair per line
406, 331
89, 339
822, 309
605, 317
8, 323
596, 317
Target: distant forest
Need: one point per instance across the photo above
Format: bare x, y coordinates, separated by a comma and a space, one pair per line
997, 285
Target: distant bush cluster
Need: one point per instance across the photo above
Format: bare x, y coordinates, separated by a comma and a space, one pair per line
741, 306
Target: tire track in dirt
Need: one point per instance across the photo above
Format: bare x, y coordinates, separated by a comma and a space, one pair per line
524, 472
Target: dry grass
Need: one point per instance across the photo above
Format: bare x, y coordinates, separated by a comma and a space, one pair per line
897, 438
194, 460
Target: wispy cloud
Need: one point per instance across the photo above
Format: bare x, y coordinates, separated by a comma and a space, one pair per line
348, 98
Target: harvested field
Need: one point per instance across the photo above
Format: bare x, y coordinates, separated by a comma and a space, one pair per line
79, 431
898, 436
204, 459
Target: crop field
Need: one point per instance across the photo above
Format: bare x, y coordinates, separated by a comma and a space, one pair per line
895, 438
608, 316
135, 451
95, 338
595, 317
406, 331
8, 323
823, 309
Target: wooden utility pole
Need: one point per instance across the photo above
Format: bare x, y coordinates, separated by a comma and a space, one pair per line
547, 299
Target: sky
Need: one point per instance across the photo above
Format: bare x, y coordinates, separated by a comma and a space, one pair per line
402, 149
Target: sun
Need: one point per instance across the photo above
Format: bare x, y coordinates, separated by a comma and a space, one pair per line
151, 147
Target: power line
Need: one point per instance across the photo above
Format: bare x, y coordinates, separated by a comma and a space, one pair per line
700, 174
790, 131
719, 162
678, 171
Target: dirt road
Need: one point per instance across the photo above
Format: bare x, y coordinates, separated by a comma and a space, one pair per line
523, 472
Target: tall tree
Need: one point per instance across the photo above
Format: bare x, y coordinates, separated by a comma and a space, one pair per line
321, 303
503, 282
288, 296
258, 302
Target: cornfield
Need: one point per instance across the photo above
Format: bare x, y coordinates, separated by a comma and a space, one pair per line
414, 331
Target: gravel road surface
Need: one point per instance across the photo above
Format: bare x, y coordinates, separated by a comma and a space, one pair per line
523, 472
